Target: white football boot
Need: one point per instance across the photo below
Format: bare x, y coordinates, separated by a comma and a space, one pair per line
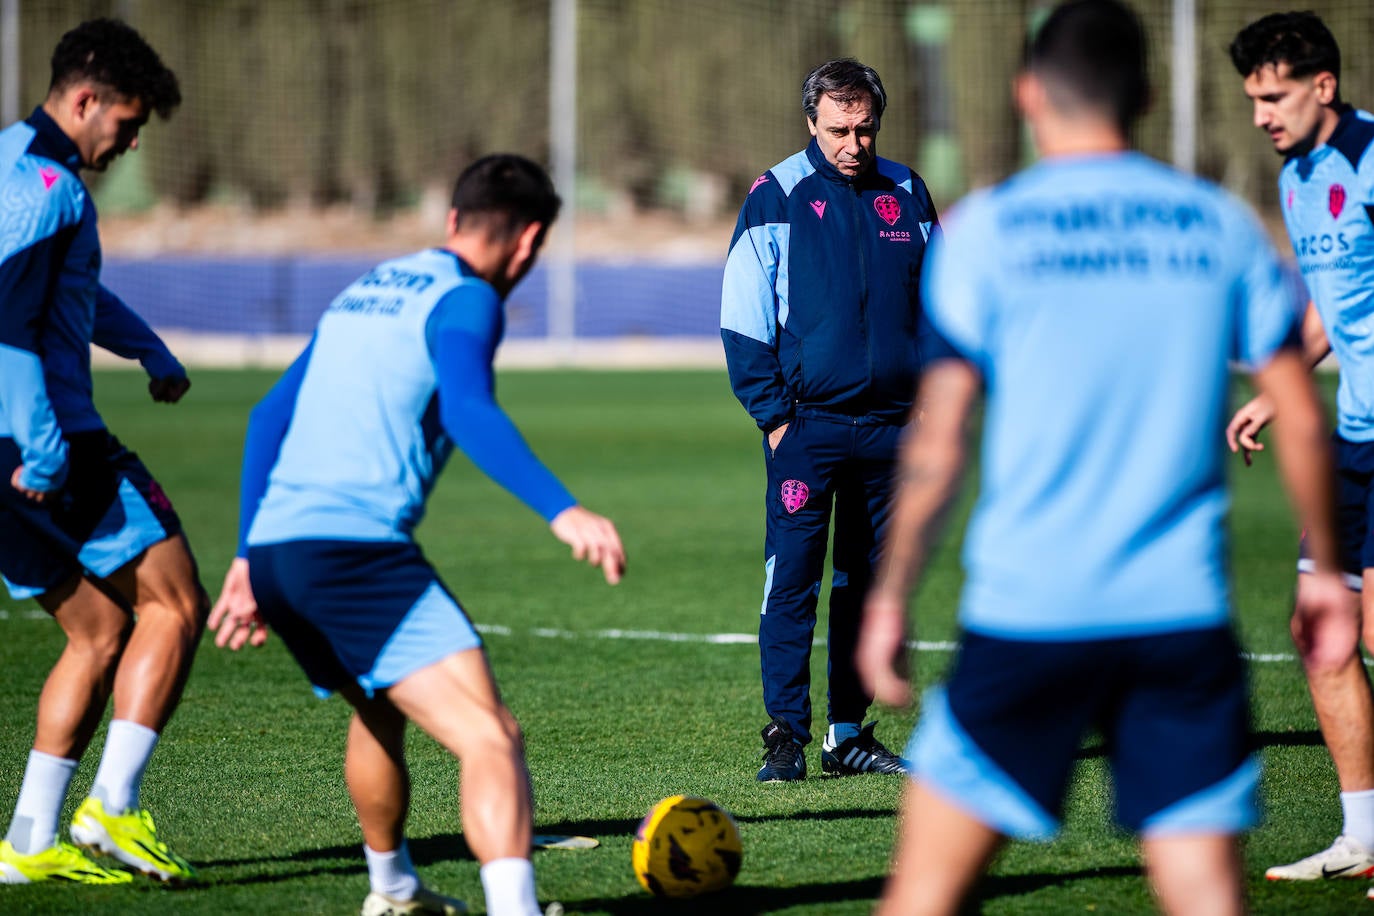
1345, 858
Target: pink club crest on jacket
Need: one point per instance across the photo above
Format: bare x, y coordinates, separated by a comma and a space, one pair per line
794, 495
888, 208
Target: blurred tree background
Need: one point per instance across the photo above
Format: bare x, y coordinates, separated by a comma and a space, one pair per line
376, 104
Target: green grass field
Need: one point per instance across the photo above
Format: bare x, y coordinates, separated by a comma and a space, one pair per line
248, 783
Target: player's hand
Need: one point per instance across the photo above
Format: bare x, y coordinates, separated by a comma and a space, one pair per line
235, 616
37, 496
1324, 610
1242, 433
169, 388
776, 436
592, 538
881, 656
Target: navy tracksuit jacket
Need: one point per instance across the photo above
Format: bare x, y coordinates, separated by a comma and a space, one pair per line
819, 314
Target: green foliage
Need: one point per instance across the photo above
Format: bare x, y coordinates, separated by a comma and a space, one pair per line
375, 102
248, 780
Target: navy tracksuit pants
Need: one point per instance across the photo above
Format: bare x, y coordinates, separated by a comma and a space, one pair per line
825, 465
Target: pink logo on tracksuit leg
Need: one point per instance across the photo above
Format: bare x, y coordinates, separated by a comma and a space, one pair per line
794, 495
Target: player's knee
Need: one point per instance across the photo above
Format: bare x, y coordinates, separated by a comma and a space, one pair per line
101, 642
1329, 656
497, 734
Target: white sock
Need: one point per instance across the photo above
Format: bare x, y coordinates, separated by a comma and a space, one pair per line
128, 746
41, 795
1358, 810
392, 873
509, 886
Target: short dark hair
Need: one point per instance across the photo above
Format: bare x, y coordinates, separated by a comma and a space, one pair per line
1093, 52
504, 193
846, 81
1300, 40
114, 56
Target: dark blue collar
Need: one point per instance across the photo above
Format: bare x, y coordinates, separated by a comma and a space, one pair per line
827, 171
1352, 136
51, 141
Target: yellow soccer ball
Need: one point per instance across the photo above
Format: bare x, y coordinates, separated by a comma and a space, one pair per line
686, 846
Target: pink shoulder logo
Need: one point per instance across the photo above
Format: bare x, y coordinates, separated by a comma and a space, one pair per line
888, 208
1335, 200
49, 176
819, 207
794, 495
757, 181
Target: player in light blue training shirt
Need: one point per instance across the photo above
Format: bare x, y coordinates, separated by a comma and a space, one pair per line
85, 530
339, 460
1097, 299
1291, 66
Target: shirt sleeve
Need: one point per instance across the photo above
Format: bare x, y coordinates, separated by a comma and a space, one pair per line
954, 308
26, 285
1268, 312
267, 426
123, 332
463, 332
749, 305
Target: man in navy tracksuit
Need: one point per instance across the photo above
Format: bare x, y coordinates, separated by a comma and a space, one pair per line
818, 314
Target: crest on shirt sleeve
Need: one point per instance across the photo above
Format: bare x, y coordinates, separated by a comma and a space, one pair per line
1335, 200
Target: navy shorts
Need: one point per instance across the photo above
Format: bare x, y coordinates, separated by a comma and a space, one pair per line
109, 511
1000, 739
1354, 509
357, 612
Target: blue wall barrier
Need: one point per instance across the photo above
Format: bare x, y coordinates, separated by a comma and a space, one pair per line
286, 295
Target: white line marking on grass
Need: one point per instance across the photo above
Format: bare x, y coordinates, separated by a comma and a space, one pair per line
716, 639
738, 639
30, 614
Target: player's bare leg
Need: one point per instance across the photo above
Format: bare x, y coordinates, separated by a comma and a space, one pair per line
940, 853
1330, 652
73, 698
1196, 875
1329, 645
456, 701
164, 589
375, 770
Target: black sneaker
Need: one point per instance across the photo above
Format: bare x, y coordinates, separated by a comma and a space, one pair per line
783, 760
861, 754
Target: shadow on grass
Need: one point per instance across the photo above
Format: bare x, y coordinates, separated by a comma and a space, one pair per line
1311, 738
448, 847
993, 886
736, 901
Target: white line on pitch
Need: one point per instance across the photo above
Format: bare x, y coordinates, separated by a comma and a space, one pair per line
1263, 658
719, 639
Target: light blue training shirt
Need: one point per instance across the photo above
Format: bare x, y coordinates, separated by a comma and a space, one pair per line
1327, 198
348, 444
1100, 298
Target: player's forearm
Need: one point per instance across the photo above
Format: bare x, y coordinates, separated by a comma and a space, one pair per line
925, 486
1315, 344
1304, 454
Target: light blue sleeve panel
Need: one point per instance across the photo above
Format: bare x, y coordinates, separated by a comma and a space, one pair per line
123, 332
30, 419
1267, 317
955, 299
755, 293
463, 332
267, 426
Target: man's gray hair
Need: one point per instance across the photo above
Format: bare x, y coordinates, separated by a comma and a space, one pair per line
846, 81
